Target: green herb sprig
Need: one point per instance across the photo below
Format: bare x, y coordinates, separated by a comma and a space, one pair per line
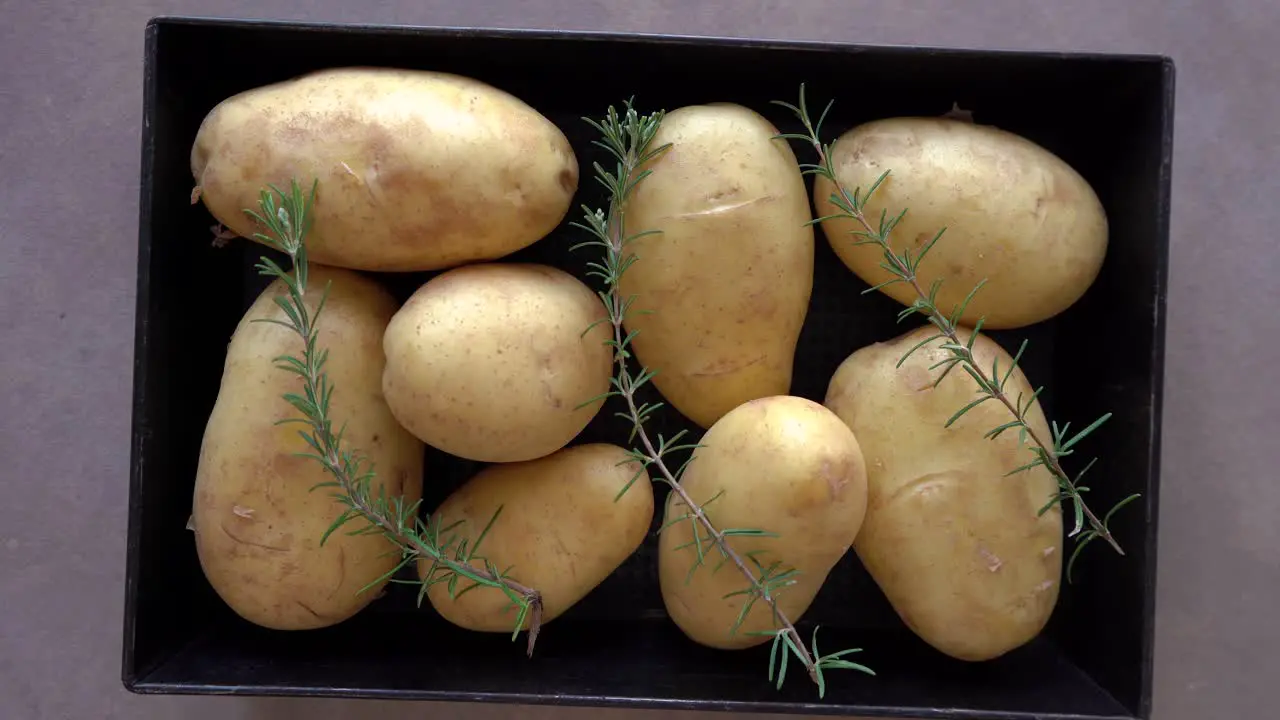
286, 223
627, 137
903, 268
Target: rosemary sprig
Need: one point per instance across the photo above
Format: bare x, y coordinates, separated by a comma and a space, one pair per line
286, 224
991, 386
628, 138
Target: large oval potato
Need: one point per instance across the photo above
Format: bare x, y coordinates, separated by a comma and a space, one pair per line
728, 279
418, 170
490, 362
955, 545
784, 465
1015, 215
560, 530
257, 521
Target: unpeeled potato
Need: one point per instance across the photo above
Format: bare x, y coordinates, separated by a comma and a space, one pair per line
784, 465
1015, 215
953, 540
493, 363
417, 170
726, 282
257, 521
560, 530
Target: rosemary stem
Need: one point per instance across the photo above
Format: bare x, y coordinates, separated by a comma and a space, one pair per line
655, 459
410, 543
944, 324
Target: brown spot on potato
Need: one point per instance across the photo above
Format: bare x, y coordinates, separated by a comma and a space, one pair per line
249, 579
916, 378
287, 465
568, 179
308, 608
836, 474
679, 598
444, 214
872, 146
1061, 192
1010, 450
549, 393
726, 366
724, 193
342, 571
294, 133
241, 541
762, 304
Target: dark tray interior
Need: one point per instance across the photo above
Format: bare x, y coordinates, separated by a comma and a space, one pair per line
1108, 116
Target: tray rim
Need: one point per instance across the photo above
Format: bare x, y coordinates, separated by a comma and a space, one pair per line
756, 41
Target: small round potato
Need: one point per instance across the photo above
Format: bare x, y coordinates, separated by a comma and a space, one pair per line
490, 363
1015, 215
417, 170
562, 530
256, 519
784, 465
951, 538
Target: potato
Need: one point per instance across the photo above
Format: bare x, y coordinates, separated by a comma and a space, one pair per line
560, 530
728, 279
781, 464
257, 521
418, 170
954, 544
490, 363
1015, 215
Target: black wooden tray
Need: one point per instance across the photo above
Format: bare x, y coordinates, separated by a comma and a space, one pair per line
1109, 116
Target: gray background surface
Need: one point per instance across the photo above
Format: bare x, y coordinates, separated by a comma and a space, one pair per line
70, 107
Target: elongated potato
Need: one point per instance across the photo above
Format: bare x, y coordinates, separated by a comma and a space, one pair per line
784, 465
490, 362
257, 522
954, 544
1015, 215
418, 170
728, 279
560, 530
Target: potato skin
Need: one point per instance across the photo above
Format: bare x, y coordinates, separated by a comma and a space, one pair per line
490, 363
785, 465
418, 170
560, 530
730, 275
1015, 215
257, 523
954, 544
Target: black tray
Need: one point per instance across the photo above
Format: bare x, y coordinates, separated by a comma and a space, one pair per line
1109, 116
